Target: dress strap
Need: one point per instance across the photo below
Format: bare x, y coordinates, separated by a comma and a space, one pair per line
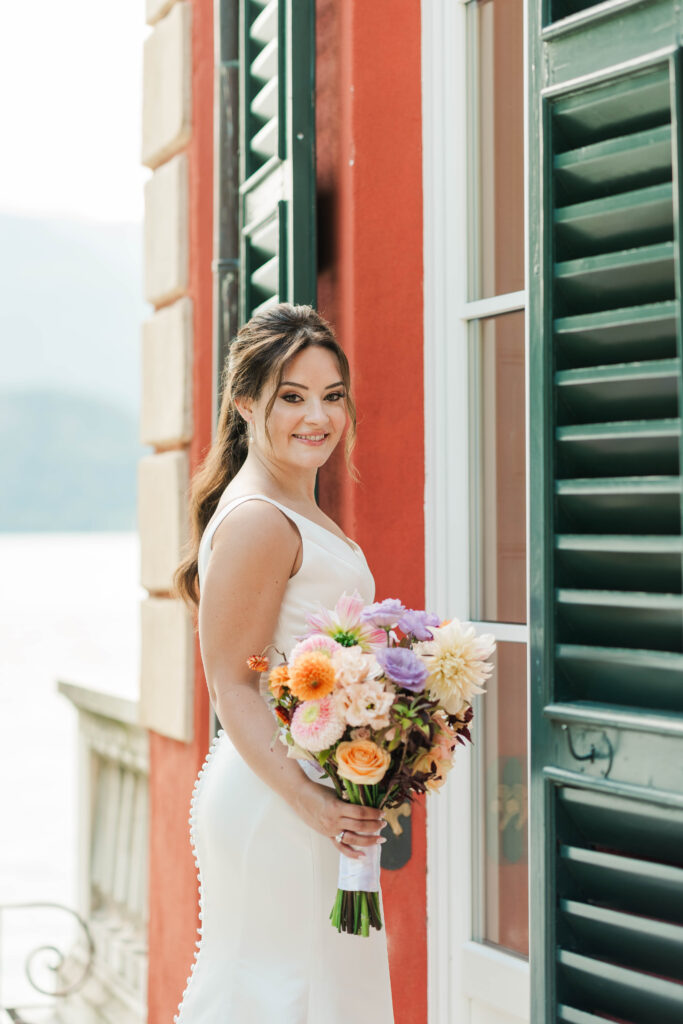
204, 552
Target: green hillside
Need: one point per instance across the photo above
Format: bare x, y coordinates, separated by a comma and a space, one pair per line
67, 462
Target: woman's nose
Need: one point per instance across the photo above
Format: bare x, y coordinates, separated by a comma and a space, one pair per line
315, 411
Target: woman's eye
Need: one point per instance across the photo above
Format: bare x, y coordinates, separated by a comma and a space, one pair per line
292, 397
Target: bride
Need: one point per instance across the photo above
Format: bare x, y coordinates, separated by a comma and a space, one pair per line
265, 829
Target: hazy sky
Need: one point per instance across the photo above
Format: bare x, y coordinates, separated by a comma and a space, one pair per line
70, 114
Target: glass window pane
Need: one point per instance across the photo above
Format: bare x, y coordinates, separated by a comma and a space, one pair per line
503, 801
496, 83
499, 468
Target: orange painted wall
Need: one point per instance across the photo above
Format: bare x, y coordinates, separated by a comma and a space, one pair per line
173, 919
369, 169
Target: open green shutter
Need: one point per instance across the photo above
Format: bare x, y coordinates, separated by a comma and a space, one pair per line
277, 152
606, 543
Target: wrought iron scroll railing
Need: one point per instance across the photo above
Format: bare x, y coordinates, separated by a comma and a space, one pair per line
43, 965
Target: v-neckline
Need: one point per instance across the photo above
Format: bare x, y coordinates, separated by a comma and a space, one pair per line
346, 541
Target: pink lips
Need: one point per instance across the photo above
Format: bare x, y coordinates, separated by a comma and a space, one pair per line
307, 440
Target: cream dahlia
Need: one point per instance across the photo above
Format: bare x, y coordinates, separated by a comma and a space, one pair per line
457, 662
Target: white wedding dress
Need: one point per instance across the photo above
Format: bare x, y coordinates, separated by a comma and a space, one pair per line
268, 953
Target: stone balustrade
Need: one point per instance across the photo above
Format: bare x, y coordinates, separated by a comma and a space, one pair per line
113, 869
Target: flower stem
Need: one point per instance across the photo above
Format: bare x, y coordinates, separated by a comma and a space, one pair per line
364, 915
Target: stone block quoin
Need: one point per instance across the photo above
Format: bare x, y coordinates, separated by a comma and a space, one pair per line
166, 421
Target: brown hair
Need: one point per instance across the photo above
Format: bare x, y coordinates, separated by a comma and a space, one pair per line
257, 354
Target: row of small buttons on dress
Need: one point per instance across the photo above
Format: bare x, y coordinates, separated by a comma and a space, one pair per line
191, 821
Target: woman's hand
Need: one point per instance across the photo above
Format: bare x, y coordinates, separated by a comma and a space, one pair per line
323, 811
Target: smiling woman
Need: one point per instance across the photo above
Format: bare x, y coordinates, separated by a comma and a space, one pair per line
316, 415
314, 438
264, 556
286, 391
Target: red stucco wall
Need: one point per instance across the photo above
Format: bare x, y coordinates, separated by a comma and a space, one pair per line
369, 158
370, 287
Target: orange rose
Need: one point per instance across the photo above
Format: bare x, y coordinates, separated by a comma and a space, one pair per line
362, 761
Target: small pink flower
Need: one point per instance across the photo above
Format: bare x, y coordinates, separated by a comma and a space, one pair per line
363, 733
317, 642
316, 725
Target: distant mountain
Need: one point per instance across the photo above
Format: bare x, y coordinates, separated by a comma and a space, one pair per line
71, 306
67, 463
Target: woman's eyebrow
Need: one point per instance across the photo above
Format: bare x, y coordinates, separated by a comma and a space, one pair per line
293, 383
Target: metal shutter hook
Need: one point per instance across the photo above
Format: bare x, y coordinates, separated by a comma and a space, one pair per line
594, 754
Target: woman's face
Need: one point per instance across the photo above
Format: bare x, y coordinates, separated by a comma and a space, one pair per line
309, 413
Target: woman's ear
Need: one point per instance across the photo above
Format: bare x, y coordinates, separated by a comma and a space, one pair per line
244, 408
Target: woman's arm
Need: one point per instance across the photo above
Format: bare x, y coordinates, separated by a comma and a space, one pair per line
254, 549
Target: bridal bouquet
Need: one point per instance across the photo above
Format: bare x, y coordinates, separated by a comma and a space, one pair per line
377, 697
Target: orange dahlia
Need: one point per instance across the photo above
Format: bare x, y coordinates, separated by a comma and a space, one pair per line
311, 676
257, 663
278, 680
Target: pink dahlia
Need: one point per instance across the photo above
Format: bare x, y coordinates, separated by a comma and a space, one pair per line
344, 624
316, 725
318, 643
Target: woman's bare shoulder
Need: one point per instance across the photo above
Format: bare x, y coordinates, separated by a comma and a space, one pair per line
255, 524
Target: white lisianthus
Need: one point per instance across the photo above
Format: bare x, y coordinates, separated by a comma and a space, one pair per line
365, 703
457, 662
353, 664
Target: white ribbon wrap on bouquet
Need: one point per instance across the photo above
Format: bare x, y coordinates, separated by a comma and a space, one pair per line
315, 773
360, 875
355, 874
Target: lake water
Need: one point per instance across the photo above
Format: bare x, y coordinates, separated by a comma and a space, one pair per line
69, 609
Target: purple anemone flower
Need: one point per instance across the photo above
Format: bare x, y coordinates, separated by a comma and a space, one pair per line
403, 667
416, 623
383, 614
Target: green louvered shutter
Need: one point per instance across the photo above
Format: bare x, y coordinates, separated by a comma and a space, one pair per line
277, 154
606, 543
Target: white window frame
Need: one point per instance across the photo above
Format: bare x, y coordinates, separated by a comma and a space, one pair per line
468, 981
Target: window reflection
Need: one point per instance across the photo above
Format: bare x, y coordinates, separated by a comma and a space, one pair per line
499, 469
496, 54
503, 801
